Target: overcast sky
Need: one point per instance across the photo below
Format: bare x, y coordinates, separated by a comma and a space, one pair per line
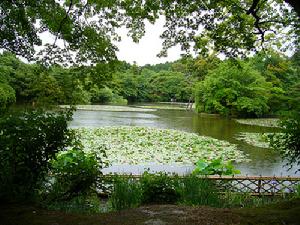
142, 53
149, 46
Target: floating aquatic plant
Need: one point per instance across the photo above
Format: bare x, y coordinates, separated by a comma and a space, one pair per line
140, 145
263, 122
256, 139
111, 108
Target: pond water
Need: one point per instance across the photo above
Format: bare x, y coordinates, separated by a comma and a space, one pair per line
263, 161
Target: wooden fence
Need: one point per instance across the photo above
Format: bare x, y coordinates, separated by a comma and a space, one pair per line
256, 185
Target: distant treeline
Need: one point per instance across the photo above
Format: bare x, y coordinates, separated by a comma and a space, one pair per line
267, 83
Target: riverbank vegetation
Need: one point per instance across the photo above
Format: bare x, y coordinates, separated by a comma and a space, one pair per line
265, 84
64, 172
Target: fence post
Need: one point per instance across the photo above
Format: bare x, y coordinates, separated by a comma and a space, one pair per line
259, 186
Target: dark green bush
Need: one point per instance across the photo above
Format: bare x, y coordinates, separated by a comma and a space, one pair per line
7, 96
73, 172
28, 140
159, 188
288, 141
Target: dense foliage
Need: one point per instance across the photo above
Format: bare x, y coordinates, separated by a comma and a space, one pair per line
74, 172
84, 31
215, 167
28, 140
159, 188
234, 88
267, 83
189, 190
288, 142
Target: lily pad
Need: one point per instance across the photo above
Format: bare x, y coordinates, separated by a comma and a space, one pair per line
263, 122
141, 145
260, 140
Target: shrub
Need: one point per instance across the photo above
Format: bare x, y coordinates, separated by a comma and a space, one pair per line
104, 95
28, 140
159, 188
215, 167
288, 141
126, 194
73, 172
297, 191
119, 100
7, 96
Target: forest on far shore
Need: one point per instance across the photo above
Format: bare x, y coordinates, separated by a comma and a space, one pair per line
266, 84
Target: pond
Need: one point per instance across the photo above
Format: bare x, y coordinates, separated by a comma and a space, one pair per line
263, 161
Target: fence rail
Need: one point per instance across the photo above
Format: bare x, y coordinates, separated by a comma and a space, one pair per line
256, 185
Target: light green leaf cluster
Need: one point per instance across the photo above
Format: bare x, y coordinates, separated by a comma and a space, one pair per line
140, 145
256, 139
264, 122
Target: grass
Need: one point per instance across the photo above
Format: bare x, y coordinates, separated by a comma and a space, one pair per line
195, 191
126, 194
160, 188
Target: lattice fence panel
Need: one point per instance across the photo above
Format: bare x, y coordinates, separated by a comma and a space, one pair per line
257, 185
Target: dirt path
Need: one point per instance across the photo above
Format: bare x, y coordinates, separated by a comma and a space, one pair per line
284, 214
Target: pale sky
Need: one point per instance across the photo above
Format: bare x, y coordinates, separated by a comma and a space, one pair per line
148, 47
142, 53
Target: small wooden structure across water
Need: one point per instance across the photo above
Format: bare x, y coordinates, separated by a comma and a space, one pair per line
255, 185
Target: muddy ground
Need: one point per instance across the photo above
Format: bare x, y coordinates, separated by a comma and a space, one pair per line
286, 213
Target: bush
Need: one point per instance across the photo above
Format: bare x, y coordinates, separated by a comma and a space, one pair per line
7, 96
28, 140
119, 100
215, 167
73, 172
104, 95
288, 141
159, 188
126, 194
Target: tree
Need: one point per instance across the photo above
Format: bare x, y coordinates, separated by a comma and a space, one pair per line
7, 96
167, 85
83, 30
233, 88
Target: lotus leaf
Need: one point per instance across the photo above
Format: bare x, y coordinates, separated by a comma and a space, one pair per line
141, 145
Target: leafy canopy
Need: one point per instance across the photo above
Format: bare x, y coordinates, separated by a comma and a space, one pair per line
84, 30
233, 88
